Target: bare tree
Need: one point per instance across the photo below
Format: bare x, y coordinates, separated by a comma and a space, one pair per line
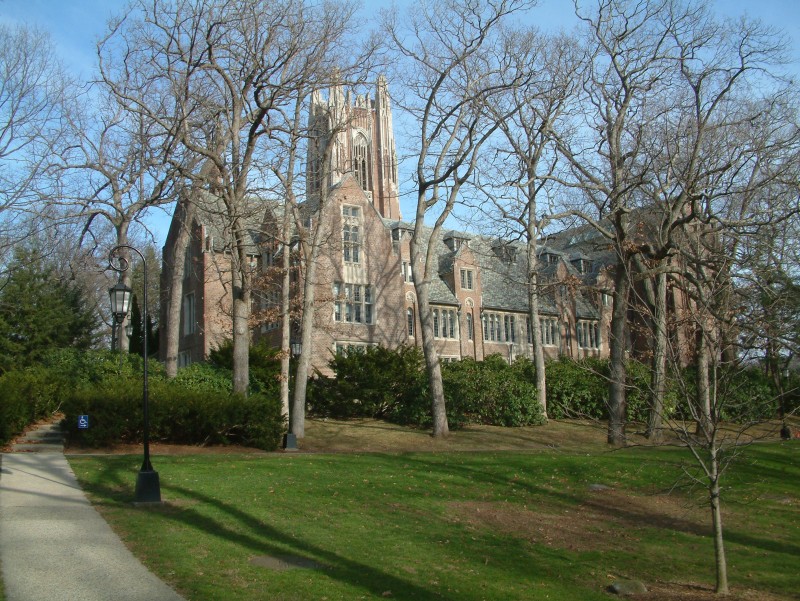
522, 160
449, 67
214, 73
631, 58
35, 96
115, 171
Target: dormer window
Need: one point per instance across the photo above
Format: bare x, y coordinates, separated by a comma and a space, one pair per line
454, 242
582, 265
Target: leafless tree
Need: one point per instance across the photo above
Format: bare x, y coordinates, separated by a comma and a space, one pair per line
213, 73
631, 64
35, 97
516, 173
449, 66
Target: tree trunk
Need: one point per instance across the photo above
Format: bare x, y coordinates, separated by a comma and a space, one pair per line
658, 379
297, 425
432, 364
619, 346
703, 408
286, 318
171, 311
241, 330
716, 518
533, 316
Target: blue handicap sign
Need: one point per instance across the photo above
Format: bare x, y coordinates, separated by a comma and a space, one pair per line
83, 422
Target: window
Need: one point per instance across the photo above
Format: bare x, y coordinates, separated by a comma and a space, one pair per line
466, 279
361, 161
184, 358
410, 321
606, 299
492, 327
408, 275
189, 318
351, 348
470, 327
351, 240
508, 322
187, 264
549, 331
444, 324
352, 303
588, 334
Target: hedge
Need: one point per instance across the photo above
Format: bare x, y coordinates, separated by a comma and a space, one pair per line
197, 407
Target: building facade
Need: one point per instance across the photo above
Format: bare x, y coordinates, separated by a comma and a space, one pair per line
364, 290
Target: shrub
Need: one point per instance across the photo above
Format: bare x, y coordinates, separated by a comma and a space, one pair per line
377, 382
200, 415
26, 396
491, 392
577, 388
86, 367
370, 382
580, 389
264, 365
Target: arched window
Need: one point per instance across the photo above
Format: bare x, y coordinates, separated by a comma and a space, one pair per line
410, 320
361, 161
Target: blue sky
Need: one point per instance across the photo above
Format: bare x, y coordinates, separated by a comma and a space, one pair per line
76, 25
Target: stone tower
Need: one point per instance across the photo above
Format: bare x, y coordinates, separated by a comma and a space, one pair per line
354, 134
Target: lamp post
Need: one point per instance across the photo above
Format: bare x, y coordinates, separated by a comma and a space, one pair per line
148, 488
289, 439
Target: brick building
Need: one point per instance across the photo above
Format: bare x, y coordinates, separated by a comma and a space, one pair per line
365, 293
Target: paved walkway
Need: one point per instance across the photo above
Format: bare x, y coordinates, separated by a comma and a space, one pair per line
53, 545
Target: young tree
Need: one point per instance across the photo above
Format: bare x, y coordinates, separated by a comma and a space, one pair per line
449, 66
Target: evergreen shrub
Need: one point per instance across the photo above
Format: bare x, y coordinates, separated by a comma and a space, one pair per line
492, 392
579, 389
26, 396
178, 415
382, 383
370, 382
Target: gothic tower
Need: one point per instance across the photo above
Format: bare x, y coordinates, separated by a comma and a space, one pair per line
358, 135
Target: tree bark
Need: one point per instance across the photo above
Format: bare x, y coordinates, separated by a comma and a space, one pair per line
658, 379
174, 263
432, 364
533, 315
619, 345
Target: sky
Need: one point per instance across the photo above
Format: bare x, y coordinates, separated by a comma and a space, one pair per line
76, 25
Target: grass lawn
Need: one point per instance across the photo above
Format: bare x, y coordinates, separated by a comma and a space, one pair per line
540, 523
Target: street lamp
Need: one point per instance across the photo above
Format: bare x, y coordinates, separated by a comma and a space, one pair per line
148, 488
289, 439
120, 296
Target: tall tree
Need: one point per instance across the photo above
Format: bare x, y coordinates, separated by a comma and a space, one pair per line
629, 53
214, 73
523, 159
449, 65
35, 96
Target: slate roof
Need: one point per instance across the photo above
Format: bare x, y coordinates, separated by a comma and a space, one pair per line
503, 278
213, 215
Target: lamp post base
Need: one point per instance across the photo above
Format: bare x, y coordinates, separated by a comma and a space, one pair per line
289, 442
148, 487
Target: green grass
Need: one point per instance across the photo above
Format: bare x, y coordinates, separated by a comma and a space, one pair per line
452, 526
